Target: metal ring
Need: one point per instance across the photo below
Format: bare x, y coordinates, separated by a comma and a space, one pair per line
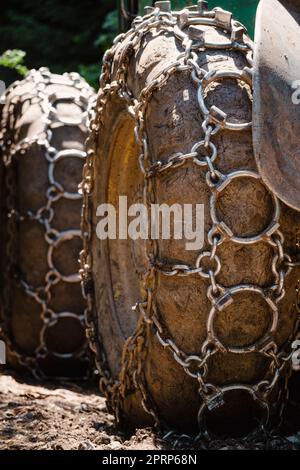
207, 254
52, 278
52, 322
47, 314
271, 228
60, 156
202, 144
54, 192
213, 76
80, 101
62, 237
260, 344
227, 389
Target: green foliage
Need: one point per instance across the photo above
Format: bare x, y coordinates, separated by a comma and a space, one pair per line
59, 35
13, 59
242, 10
73, 35
104, 40
109, 30
90, 73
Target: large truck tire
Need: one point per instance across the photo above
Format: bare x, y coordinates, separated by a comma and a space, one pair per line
207, 345
43, 133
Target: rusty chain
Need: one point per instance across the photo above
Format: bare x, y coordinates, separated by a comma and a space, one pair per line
113, 82
39, 80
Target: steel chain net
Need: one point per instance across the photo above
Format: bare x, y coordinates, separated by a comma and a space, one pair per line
114, 82
13, 151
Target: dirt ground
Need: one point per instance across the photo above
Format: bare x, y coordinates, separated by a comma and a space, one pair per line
59, 417
63, 416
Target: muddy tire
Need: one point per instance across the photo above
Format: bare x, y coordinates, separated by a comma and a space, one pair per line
44, 128
141, 378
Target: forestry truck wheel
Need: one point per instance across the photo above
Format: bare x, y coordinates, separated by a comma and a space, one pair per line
208, 339
43, 131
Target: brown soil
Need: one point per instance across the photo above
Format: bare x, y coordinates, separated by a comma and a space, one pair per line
66, 416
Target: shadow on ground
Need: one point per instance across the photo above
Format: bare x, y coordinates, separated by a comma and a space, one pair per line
63, 416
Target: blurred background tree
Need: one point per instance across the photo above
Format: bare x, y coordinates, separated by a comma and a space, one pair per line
73, 35
62, 35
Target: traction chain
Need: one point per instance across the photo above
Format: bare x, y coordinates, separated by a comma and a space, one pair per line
203, 154
36, 83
